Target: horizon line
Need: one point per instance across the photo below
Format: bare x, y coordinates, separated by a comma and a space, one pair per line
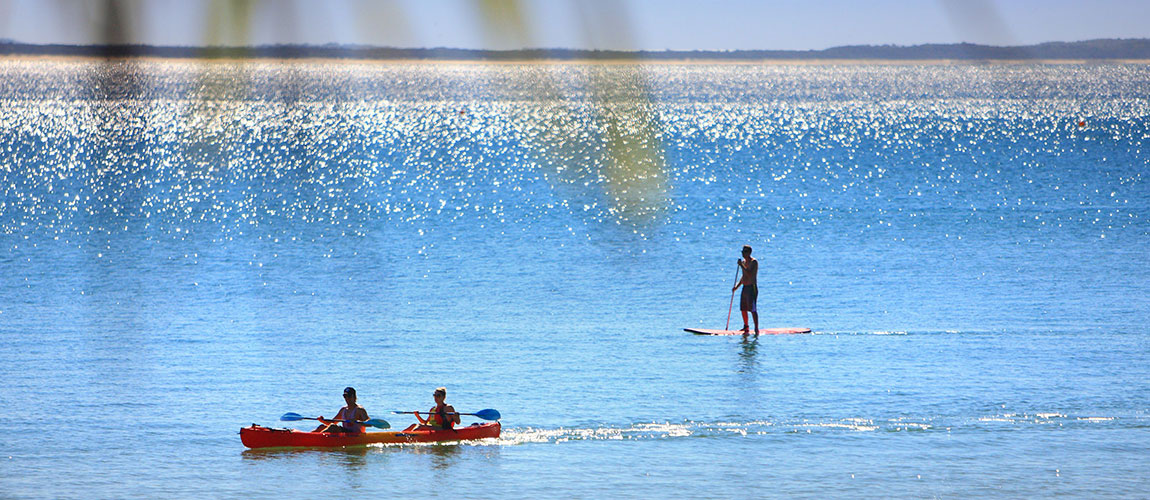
10, 42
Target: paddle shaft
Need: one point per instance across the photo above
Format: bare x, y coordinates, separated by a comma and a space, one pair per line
732, 304
374, 422
487, 414
328, 419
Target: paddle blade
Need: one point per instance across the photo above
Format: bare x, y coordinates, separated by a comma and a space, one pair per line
488, 414
291, 417
378, 423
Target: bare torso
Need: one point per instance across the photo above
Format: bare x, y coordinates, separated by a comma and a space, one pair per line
349, 413
750, 271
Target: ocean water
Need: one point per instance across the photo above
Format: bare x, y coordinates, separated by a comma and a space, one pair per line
190, 247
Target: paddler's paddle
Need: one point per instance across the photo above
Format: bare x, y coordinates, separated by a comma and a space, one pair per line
375, 422
487, 414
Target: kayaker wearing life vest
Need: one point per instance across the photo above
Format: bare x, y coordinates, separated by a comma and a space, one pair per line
440, 416
348, 418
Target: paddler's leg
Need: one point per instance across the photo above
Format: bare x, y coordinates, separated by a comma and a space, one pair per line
329, 427
745, 305
753, 303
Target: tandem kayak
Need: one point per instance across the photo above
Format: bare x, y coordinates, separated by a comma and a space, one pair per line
265, 437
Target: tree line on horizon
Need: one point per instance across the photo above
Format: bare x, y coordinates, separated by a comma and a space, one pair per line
1101, 49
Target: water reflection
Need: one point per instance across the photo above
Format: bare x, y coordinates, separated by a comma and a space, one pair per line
351, 459
443, 456
354, 458
749, 347
352, 462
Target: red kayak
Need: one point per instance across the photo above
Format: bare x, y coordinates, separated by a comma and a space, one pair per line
265, 437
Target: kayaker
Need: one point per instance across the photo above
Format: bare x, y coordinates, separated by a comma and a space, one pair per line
441, 416
749, 298
348, 418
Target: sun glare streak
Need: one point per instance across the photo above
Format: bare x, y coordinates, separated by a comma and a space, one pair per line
618, 139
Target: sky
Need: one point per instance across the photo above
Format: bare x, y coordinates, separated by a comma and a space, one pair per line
581, 24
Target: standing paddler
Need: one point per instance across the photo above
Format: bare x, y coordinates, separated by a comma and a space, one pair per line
750, 296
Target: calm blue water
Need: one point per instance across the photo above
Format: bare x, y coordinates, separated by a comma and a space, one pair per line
189, 248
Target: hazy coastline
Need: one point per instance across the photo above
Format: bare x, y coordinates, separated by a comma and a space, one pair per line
639, 62
1082, 52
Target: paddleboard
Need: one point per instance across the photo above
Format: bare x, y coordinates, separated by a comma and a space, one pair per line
762, 331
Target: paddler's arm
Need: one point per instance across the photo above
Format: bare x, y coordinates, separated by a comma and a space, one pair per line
452, 414
421, 420
323, 423
740, 282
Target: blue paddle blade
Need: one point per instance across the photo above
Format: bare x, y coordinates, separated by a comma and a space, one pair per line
378, 423
488, 414
291, 417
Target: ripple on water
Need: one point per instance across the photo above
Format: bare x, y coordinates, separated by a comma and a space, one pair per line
220, 151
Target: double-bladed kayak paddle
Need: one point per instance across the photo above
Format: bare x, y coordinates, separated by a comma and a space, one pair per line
488, 414
375, 422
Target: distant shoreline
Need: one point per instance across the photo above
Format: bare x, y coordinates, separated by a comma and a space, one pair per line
558, 62
1107, 51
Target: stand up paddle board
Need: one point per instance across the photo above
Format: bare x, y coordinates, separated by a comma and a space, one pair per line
762, 331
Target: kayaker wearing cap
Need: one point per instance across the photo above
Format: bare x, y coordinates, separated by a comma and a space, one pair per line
441, 416
348, 418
